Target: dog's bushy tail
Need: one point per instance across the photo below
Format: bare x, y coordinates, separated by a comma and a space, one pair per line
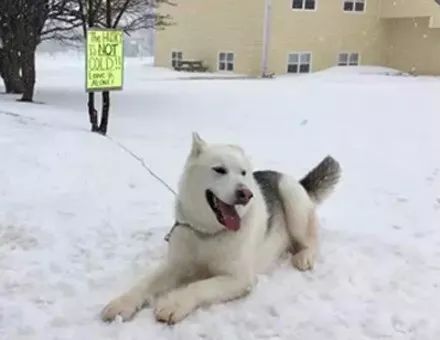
320, 182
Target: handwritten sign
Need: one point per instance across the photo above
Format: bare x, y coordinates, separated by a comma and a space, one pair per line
104, 60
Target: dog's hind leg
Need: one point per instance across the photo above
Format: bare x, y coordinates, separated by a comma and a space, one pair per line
166, 278
305, 250
301, 223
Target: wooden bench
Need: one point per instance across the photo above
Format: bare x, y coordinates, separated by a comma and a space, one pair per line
191, 66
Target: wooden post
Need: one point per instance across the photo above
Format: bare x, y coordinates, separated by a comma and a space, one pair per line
93, 114
106, 94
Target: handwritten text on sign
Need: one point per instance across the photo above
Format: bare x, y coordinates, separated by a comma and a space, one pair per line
105, 60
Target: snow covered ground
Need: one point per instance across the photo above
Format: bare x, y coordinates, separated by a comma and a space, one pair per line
80, 220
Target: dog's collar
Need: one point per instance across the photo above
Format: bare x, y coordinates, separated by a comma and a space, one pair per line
200, 234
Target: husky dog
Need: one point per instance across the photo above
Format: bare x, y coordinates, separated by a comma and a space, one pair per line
231, 224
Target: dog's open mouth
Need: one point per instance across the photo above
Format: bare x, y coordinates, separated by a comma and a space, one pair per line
226, 214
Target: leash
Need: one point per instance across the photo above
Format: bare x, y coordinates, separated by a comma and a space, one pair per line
143, 164
200, 234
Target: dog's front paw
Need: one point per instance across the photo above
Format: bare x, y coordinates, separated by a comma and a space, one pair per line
173, 307
125, 306
304, 259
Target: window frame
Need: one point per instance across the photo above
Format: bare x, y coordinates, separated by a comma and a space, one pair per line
354, 11
173, 60
303, 8
300, 53
349, 54
226, 62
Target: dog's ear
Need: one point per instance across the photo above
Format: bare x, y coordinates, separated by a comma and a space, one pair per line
198, 145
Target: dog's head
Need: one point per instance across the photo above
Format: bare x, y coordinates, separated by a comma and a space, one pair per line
217, 187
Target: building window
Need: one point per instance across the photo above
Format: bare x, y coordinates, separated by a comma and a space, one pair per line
304, 4
226, 61
348, 59
354, 5
299, 63
176, 58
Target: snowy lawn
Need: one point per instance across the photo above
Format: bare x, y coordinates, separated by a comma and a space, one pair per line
80, 220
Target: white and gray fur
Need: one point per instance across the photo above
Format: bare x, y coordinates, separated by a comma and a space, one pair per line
268, 182
318, 183
208, 264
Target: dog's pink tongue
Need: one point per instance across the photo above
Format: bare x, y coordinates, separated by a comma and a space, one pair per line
231, 220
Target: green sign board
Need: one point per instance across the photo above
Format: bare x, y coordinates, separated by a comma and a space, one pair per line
104, 60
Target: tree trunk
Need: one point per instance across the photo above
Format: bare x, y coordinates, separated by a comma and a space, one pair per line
105, 112
10, 71
106, 94
28, 73
2, 67
14, 75
3, 74
93, 114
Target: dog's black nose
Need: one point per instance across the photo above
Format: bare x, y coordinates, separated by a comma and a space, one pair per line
243, 195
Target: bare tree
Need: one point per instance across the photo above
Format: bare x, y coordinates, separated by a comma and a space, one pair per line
30, 26
21, 26
132, 15
128, 15
9, 47
25, 23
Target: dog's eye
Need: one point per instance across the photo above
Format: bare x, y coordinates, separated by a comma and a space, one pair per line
220, 170
243, 172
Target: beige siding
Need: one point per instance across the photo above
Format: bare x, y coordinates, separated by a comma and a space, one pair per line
404, 34
206, 27
434, 21
413, 46
409, 8
325, 32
